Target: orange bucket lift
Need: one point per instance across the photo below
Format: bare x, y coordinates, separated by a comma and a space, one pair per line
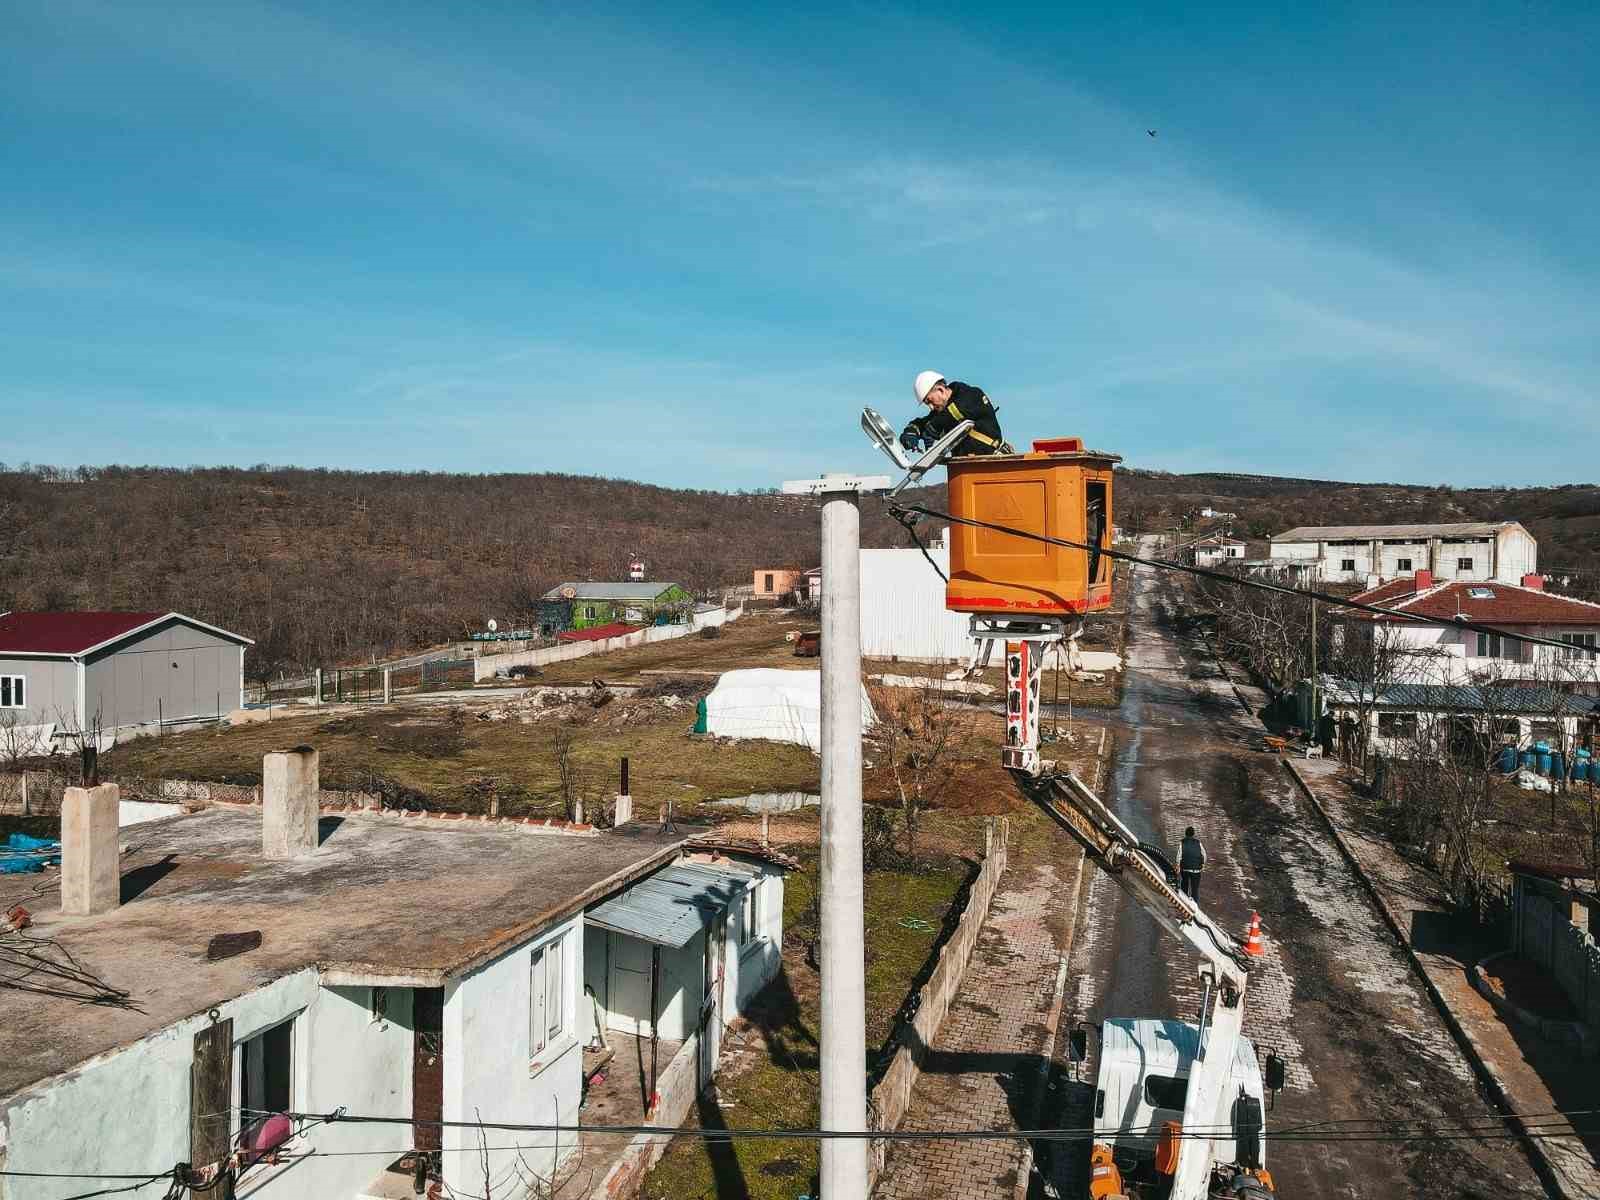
1059, 490
1023, 592
1018, 590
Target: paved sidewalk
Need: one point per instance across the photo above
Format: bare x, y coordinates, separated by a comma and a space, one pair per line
987, 1063
1531, 1076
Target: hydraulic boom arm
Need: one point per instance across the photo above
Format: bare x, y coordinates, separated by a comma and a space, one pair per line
1139, 871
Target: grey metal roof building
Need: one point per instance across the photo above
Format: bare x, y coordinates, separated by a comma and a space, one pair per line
1333, 533
673, 905
1437, 697
78, 671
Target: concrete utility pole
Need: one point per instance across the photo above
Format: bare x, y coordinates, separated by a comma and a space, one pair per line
844, 986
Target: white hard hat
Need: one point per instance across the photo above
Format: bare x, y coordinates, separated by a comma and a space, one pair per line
924, 384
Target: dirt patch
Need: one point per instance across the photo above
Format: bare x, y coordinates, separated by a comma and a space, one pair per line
1529, 986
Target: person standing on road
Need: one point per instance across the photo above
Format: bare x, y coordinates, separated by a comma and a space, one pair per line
1191, 861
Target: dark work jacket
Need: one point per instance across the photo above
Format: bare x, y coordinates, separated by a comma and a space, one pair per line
1191, 855
966, 402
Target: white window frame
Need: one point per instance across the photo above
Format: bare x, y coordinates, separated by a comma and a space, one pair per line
1490, 645
14, 690
237, 1116
549, 972
1465, 564
752, 931
1574, 640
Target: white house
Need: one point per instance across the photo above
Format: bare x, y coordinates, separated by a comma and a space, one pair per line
1476, 550
420, 970
1214, 551
1405, 719
1438, 650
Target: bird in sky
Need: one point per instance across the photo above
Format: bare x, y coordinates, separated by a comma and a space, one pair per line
1151, 132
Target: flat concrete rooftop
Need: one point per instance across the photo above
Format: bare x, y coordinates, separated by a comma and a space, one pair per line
382, 900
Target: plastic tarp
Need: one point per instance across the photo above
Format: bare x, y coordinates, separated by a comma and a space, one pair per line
773, 704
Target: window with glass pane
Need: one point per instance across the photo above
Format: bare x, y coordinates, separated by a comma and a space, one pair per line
1463, 564
749, 927
1489, 645
265, 1068
554, 1008
1402, 564
538, 1035
12, 692
1347, 564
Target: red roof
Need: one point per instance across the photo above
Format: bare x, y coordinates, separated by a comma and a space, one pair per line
597, 633
66, 632
1505, 603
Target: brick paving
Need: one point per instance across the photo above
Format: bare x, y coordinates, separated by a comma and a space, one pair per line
987, 1061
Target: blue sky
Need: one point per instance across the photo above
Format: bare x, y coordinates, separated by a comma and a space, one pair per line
687, 244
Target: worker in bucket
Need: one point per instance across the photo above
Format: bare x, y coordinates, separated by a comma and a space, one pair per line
1191, 861
948, 405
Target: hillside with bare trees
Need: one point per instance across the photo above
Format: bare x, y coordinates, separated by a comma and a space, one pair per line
330, 566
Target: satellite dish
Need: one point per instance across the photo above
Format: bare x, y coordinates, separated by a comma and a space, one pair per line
493, 625
569, 592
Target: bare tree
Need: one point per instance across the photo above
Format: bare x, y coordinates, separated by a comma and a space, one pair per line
1369, 658
918, 735
1269, 632
19, 741
85, 739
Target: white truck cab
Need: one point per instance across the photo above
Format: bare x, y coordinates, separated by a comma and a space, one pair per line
1143, 1080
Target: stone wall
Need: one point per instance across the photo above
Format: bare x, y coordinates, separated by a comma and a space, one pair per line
1546, 935
45, 789
889, 1100
676, 1088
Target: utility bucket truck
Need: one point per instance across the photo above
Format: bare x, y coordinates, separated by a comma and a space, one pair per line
1178, 1104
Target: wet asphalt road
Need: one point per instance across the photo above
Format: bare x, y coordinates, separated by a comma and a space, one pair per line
1334, 995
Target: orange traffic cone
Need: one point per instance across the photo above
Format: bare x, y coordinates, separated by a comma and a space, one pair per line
1252, 940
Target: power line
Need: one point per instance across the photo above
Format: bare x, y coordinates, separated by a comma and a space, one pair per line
1552, 1124
1241, 581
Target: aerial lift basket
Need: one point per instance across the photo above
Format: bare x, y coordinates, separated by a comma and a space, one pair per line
1058, 489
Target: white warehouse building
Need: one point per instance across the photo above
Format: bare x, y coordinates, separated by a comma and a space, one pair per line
1369, 554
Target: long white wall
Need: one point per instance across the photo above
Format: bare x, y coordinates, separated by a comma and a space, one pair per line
488, 666
488, 1068
902, 608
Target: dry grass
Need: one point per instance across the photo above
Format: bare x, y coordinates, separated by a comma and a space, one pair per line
444, 757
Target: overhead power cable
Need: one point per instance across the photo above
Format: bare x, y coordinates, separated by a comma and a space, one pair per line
1242, 581
1549, 1125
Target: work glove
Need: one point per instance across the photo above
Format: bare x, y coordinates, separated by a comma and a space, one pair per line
910, 439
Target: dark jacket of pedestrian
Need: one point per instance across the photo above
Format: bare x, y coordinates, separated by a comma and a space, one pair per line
1192, 855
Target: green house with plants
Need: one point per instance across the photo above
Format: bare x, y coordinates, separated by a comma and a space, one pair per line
587, 605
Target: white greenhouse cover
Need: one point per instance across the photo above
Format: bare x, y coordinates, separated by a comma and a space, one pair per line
769, 703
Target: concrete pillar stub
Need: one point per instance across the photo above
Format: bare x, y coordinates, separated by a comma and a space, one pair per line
290, 782
624, 809
388, 685
91, 876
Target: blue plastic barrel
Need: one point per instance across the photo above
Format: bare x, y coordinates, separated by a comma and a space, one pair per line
1527, 758
1507, 759
1580, 769
1558, 765
1543, 759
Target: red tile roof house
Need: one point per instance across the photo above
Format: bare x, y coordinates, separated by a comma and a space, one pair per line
1447, 653
74, 671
